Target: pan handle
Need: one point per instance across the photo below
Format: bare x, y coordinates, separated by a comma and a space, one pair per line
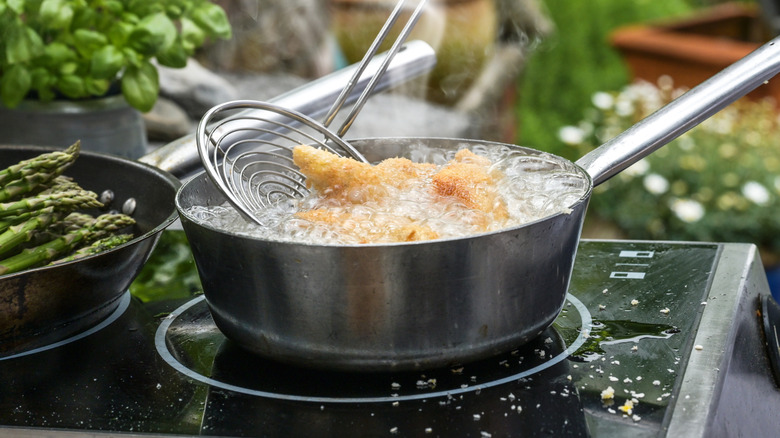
180, 157
683, 113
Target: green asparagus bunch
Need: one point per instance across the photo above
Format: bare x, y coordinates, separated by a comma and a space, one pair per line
43, 218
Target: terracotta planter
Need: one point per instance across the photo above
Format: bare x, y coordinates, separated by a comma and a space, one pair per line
692, 50
463, 32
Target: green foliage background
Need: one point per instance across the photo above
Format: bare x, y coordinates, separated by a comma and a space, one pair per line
566, 69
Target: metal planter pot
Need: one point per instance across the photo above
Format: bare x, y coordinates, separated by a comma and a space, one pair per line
106, 125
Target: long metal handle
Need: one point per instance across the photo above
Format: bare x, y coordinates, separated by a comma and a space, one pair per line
683, 113
181, 158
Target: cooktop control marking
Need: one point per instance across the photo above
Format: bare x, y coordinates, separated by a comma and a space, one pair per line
627, 275
637, 254
631, 275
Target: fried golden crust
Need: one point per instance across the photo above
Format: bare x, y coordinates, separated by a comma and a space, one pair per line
335, 176
342, 182
468, 179
327, 171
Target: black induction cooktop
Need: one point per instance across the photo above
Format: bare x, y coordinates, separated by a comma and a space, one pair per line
655, 338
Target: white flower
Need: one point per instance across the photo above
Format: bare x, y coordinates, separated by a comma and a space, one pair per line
755, 192
687, 210
665, 82
571, 135
602, 100
639, 168
686, 142
624, 107
586, 127
656, 184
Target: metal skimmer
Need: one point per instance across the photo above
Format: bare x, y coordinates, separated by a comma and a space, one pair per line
248, 154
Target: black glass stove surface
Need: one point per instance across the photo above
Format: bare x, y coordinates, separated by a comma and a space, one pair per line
160, 366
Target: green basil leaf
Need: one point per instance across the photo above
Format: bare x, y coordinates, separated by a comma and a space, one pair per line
55, 54
143, 8
85, 18
153, 34
132, 57
140, 86
114, 7
106, 62
173, 10
88, 41
192, 36
119, 33
68, 68
14, 85
176, 56
43, 82
17, 6
72, 86
35, 42
96, 87
41, 79
22, 43
212, 19
129, 18
55, 14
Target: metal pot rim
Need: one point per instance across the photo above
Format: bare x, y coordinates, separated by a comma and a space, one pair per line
584, 198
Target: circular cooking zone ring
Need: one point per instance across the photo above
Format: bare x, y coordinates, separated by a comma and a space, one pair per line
120, 309
189, 341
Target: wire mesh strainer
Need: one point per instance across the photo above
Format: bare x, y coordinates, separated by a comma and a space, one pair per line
248, 154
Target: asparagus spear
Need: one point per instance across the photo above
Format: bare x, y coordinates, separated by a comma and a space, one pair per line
44, 162
18, 234
62, 200
8, 221
29, 175
96, 247
100, 227
60, 184
73, 222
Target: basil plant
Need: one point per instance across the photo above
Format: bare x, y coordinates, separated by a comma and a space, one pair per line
77, 49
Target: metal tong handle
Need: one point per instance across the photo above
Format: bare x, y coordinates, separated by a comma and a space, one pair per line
683, 113
380, 38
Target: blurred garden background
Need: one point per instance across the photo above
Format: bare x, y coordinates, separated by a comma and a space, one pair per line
567, 67
718, 182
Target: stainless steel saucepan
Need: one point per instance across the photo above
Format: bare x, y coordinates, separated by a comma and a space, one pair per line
423, 304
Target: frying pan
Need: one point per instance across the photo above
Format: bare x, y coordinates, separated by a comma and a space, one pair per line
44, 305
40, 305
424, 304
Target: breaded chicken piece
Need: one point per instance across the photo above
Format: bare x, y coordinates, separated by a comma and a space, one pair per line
464, 184
332, 175
468, 179
327, 171
378, 229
